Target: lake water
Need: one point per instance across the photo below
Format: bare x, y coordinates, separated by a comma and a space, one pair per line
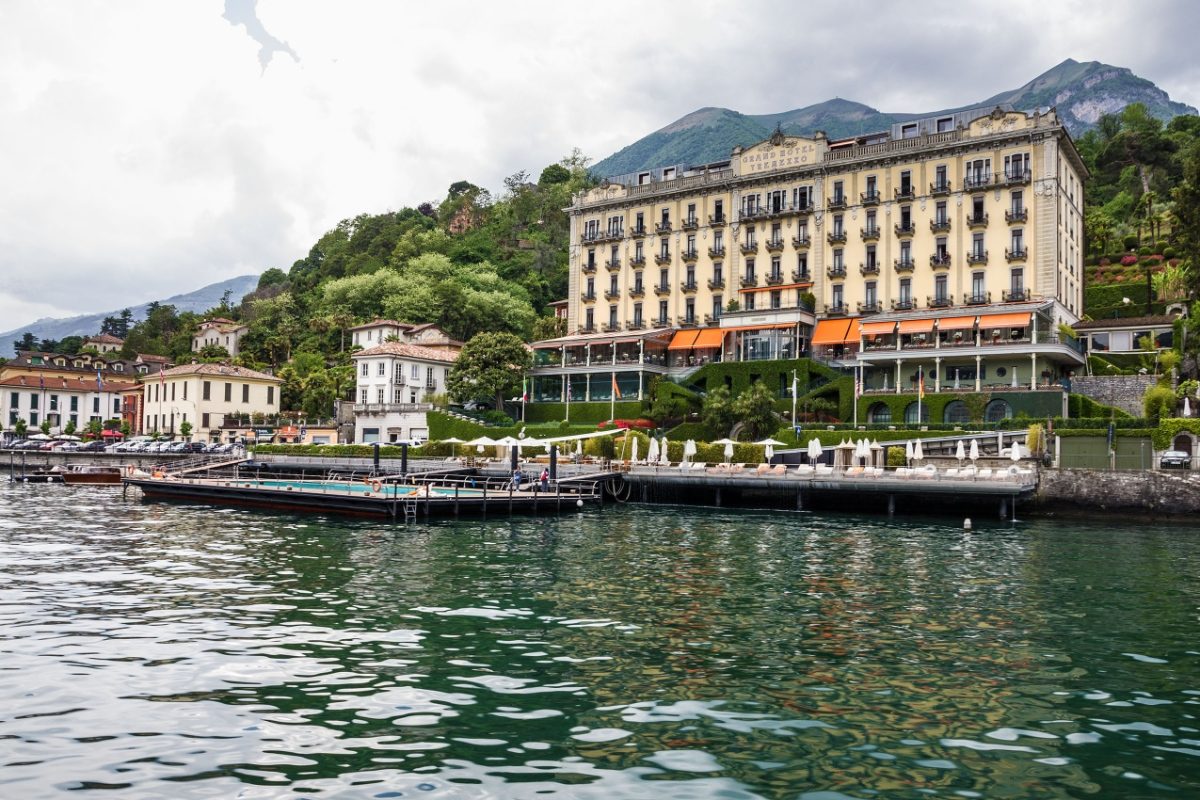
171, 651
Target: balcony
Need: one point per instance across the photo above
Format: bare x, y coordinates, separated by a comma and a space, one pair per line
977, 256
586, 329
838, 310
939, 225
716, 252
749, 248
977, 221
1017, 254
905, 228
589, 268
870, 308
637, 292
588, 297
1016, 177
376, 409
775, 279
716, 284
977, 299
939, 302
940, 261
397, 380
801, 240
637, 232
1017, 296
637, 261
775, 245
709, 319
691, 223
687, 322
662, 322
612, 295
598, 237
905, 192
870, 234
905, 304
904, 264
662, 290
611, 327
1016, 215
836, 272
716, 220
838, 201
691, 255
754, 213
803, 208
663, 259
750, 279
977, 181
636, 325
869, 269
613, 264
939, 189
836, 237
689, 286
801, 276
663, 227
869, 198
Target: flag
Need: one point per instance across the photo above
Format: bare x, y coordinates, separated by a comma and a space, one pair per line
99, 381
569, 398
921, 384
524, 390
42, 381
616, 389
794, 384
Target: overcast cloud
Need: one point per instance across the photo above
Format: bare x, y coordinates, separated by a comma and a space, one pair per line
148, 148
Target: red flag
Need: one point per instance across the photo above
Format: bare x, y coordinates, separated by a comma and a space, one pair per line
616, 389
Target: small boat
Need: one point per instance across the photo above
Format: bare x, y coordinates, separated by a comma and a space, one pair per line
91, 475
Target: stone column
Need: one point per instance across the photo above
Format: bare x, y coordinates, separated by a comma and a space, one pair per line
978, 377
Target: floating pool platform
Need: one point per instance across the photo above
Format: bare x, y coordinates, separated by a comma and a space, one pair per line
395, 497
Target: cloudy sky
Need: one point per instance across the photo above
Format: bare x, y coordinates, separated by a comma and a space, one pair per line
148, 148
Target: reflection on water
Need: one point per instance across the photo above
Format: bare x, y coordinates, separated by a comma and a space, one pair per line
174, 651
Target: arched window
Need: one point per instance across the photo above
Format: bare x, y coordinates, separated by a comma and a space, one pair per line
997, 411
910, 413
879, 413
956, 412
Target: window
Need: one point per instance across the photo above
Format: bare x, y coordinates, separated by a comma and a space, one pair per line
664, 280
691, 243
14, 399
750, 301
691, 275
870, 296
666, 213
364, 371
1018, 240
838, 225
691, 212
997, 411
717, 306
1018, 202
977, 245
639, 252
185, 385
591, 261
906, 186
751, 239
637, 314
1016, 166
662, 312
229, 393
591, 287
689, 310
612, 284
718, 241
906, 252
54, 402
839, 299
379, 396
664, 249
246, 391
977, 285
908, 131
871, 192
912, 410
906, 290
590, 318
939, 288
430, 383
640, 224
956, 413
871, 259
206, 393
802, 266
637, 283
838, 194
719, 211
776, 299
839, 261
939, 213
204, 420
382, 370
879, 413
945, 125
612, 316
75, 403
750, 271
905, 217
776, 268
95, 405
872, 224
1017, 281
718, 273
270, 395
940, 180
415, 372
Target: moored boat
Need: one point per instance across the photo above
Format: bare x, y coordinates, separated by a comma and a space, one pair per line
92, 475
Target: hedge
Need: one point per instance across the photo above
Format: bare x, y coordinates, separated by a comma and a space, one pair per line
445, 426
1024, 404
1083, 407
582, 412
692, 430
1102, 301
738, 375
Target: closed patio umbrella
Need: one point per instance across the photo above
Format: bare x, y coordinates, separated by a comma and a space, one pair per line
974, 450
728, 451
908, 450
652, 451
1187, 407
664, 454
815, 450
769, 445
918, 451
633, 450
1016, 452
960, 451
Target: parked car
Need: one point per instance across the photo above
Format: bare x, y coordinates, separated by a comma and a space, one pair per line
1175, 459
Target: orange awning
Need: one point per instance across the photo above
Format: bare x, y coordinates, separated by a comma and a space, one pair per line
683, 339
877, 328
915, 326
1017, 320
709, 337
955, 323
833, 331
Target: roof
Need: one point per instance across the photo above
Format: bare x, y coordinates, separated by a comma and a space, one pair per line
958, 311
376, 323
600, 338
405, 350
68, 384
558, 303
105, 338
150, 358
215, 370
1124, 322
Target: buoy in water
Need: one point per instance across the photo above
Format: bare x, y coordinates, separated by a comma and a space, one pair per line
579, 504
967, 524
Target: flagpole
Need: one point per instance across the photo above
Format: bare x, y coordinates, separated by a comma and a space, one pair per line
857, 369
612, 414
567, 380
794, 402
920, 392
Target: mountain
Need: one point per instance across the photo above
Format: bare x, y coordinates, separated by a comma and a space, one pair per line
88, 324
1082, 92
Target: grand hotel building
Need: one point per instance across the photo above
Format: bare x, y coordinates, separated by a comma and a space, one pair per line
949, 247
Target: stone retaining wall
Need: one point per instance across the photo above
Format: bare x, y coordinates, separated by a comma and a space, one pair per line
1097, 490
1123, 391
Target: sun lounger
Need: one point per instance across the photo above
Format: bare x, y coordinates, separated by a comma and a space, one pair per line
824, 469
780, 469
763, 469
952, 472
698, 466
804, 469
854, 472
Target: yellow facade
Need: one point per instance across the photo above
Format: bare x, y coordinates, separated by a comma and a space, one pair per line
987, 211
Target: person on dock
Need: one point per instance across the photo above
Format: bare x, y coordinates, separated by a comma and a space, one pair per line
516, 479
545, 479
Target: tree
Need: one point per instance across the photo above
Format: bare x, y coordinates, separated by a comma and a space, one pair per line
717, 411
1187, 212
213, 354
755, 410
70, 428
45, 427
94, 429
185, 429
490, 365
27, 342
20, 427
1158, 402
549, 328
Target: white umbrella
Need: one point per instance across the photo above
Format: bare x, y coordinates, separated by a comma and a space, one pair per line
454, 442
1014, 378
578, 447
652, 451
974, 450
689, 449
66, 437
815, 451
40, 437
664, 454
633, 449
728, 451
960, 452
908, 450
918, 451
482, 441
769, 445
999, 442
1016, 452
1187, 407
